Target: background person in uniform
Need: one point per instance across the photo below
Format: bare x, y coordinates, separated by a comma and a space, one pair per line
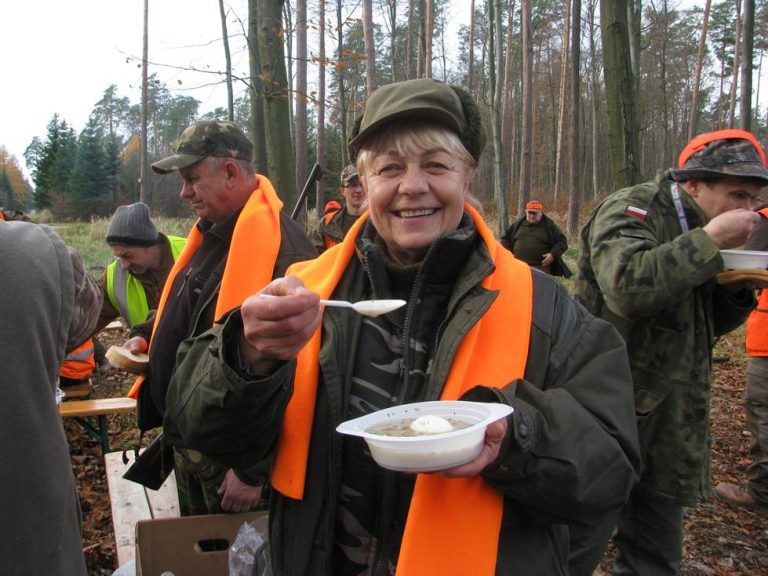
538, 241
475, 316
241, 240
754, 494
48, 303
334, 225
648, 259
133, 282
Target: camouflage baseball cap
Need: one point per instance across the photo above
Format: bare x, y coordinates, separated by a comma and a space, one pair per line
421, 99
349, 172
725, 153
206, 138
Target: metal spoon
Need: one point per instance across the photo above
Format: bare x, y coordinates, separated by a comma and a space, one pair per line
370, 308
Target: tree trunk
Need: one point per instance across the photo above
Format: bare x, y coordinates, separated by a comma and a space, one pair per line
392, 6
748, 39
563, 95
574, 204
494, 96
228, 62
508, 94
697, 74
257, 92
471, 48
429, 26
319, 200
144, 164
410, 47
736, 64
277, 126
300, 137
370, 52
620, 98
341, 87
593, 80
526, 145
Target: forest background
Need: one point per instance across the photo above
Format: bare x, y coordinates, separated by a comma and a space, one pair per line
647, 77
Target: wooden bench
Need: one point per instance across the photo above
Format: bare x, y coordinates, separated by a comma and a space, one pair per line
78, 390
85, 412
131, 502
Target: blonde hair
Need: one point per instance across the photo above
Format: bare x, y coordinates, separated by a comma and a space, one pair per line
409, 138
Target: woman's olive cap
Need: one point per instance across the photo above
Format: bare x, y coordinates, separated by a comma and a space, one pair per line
206, 138
422, 99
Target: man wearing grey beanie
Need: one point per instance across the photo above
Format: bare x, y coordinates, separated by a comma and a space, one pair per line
133, 282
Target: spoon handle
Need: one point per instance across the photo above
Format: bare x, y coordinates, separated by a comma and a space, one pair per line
338, 303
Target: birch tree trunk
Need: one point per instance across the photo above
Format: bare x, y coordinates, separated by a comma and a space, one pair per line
228, 62
697, 74
526, 161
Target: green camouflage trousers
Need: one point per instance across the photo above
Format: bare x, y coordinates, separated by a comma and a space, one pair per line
197, 481
756, 407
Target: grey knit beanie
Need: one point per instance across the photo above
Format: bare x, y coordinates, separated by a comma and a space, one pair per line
131, 226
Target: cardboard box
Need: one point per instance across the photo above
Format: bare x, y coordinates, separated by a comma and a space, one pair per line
178, 545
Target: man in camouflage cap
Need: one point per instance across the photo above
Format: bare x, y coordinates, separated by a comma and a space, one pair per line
241, 241
648, 262
335, 224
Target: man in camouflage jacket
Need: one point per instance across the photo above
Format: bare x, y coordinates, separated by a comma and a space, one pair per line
648, 262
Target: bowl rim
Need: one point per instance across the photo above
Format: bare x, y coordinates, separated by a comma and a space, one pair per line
357, 426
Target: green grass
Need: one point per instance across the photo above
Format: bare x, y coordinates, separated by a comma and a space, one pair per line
88, 238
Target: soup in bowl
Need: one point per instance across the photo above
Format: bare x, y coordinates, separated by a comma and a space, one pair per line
426, 436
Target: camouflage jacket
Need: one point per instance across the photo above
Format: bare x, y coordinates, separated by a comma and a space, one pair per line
656, 284
332, 232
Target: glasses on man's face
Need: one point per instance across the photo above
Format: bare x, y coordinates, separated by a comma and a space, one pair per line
352, 184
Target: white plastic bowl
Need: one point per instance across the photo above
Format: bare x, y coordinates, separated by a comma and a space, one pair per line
738, 259
429, 452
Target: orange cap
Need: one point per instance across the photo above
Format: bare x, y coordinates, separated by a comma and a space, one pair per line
701, 141
534, 205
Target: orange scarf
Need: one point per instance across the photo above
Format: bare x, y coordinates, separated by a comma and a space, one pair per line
453, 524
250, 261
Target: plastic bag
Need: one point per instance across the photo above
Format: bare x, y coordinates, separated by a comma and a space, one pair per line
249, 553
127, 569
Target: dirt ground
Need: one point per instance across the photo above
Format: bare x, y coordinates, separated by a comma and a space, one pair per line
720, 541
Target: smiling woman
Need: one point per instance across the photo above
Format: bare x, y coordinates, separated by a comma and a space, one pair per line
467, 332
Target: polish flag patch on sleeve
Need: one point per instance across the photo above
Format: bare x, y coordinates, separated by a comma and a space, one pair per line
636, 212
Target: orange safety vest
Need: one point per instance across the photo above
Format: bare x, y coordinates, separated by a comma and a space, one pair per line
250, 261
757, 323
79, 363
327, 240
453, 524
